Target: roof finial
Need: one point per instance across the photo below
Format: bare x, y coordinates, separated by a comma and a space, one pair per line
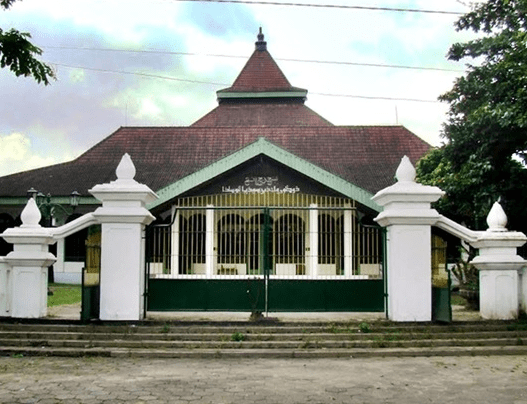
261, 45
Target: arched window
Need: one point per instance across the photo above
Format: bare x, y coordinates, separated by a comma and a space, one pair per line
327, 239
231, 240
289, 240
192, 233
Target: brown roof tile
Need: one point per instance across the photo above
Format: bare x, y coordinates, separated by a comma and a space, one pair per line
262, 114
364, 156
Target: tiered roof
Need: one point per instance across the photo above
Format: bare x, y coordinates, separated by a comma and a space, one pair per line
260, 103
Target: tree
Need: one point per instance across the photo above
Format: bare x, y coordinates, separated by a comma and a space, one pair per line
19, 54
486, 126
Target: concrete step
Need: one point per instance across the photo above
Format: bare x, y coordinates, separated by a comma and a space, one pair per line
184, 339
304, 344
263, 336
266, 353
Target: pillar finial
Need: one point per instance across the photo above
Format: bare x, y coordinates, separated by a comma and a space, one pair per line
126, 169
497, 219
30, 216
406, 171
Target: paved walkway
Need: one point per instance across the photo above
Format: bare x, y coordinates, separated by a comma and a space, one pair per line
496, 379
72, 312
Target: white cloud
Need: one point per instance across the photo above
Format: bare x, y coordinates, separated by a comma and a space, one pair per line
17, 154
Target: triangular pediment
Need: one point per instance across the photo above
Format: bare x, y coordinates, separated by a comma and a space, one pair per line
232, 171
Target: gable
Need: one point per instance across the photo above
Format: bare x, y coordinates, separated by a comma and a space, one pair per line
236, 168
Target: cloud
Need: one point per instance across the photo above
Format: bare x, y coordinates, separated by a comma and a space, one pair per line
18, 154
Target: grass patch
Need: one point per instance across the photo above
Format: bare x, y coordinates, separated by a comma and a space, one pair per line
64, 294
238, 336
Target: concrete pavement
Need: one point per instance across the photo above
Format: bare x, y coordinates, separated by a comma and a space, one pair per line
380, 380
72, 312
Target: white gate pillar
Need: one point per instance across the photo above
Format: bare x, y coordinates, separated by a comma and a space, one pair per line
408, 216
27, 287
499, 266
123, 217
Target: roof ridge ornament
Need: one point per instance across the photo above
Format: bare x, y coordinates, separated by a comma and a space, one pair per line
261, 45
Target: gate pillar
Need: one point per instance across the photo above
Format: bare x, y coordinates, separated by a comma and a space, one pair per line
408, 217
500, 291
123, 217
29, 262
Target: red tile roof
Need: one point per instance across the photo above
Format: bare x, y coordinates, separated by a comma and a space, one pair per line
262, 114
366, 156
261, 74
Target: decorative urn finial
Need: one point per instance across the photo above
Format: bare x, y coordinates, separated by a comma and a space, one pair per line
30, 216
497, 219
261, 45
126, 169
406, 171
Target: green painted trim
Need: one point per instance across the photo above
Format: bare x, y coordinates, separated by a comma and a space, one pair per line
270, 94
61, 200
12, 200
263, 146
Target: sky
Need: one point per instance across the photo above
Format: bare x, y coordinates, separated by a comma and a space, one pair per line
160, 62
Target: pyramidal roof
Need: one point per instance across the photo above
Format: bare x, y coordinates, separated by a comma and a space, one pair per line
261, 78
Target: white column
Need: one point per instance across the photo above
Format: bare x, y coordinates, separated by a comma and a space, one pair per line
209, 242
174, 259
313, 240
29, 262
408, 217
498, 265
123, 217
348, 241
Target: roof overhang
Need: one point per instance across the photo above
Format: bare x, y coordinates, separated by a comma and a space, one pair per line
269, 149
260, 95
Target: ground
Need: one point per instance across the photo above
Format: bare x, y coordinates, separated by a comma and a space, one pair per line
500, 379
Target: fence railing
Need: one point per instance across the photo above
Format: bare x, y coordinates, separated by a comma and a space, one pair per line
246, 242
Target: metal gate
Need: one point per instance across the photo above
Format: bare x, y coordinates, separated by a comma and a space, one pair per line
265, 259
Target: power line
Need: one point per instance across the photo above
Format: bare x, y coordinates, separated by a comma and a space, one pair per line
157, 76
366, 97
335, 62
338, 6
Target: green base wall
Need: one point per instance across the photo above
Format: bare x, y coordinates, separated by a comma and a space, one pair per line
249, 295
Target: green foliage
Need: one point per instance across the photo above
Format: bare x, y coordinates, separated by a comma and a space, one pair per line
238, 336
487, 120
19, 55
488, 106
364, 327
474, 186
466, 273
